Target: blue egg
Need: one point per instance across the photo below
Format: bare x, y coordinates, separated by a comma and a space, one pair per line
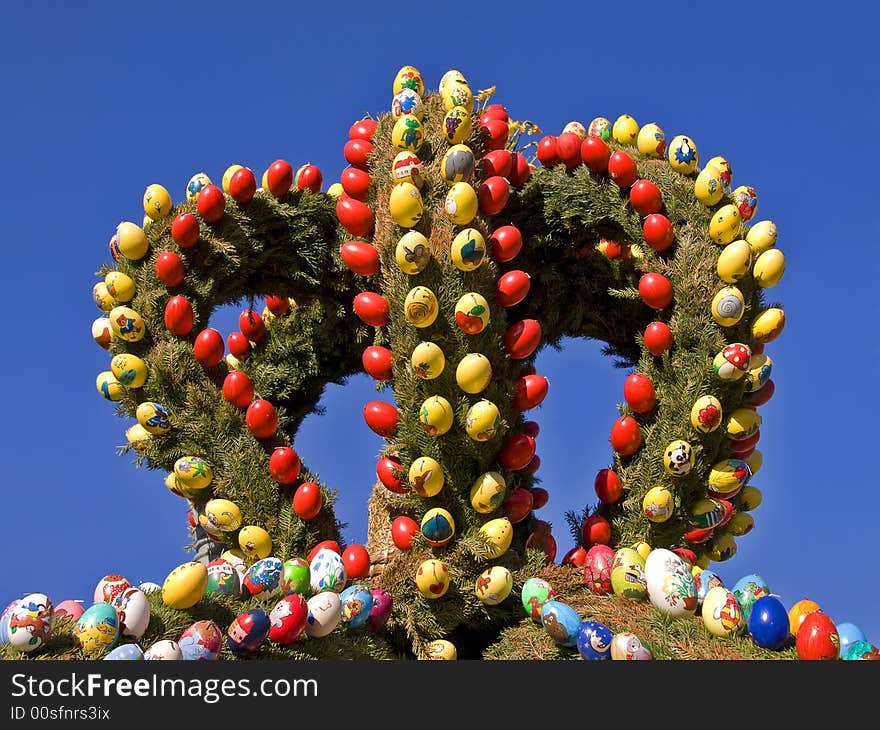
561, 622
357, 602
768, 623
264, 577
126, 652
594, 640
849, 634
247, 632
98, 628
749, 589
859, 650
706, 580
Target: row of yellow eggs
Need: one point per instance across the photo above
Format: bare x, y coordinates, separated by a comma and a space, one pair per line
728, 306
482, 421
736, 259
473, 373
421, 307
406, 205
453, 89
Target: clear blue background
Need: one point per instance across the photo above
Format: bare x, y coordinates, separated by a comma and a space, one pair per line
100, 101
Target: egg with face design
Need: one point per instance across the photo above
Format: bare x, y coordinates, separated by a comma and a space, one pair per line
325, 612
201, 641
594, 640
561, 622
628, 647
357, 602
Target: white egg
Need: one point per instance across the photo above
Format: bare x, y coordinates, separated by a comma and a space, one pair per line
134, 612
164, 649
671, 586
30, 622
325, 611
327, 571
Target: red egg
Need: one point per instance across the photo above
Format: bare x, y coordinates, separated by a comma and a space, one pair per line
279, 306
403, 529
307, 500
613, 250
493, 194
495, 134
251, 324
686, 554
595, 530
607, 485
597, 568
242, 186
516, 451
261, 419
239, 390
308, 177
762, 394
530, 392
645, 197
531, 428
513, 287
279, 178
356, 183
170, 269
355, 216
185, 230
595, 154
638, 390
622, 169
541, 539
391, 473
498, 162
377, 362
284, 466
506, 243
495, 111
517, 505
179, 316
289, 618
626, 437
324, 545
211, 203
548, 153
238, 345
372, 308
208, 348
357, 561
361, 257
655, 290
381, 417
520, 171
540, 497
534, 464
568, 147
522, 338
658, 338
357, 153
576, 556
658, 231
363, 129
817, 638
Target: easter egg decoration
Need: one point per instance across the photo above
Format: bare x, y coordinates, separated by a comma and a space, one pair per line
725, 225
798, 612
651, 140
682, 154
732, 362
473, 373
482, 421
749, 589
201, 641
408, 133
597, 569
498, 536
709, 186
426, 476
440, 650
325, 612
380, 612
129, 370
678, 458
658, 504
263, 578
746, 200
461, 203
185, 585
30, 622
109, 387
670, 583
728, 306
405, 204
721, 612
436, 415
126, 652
255, 542
769, 268
494, 585
356, 602
432, 578
768, 623
469, 249
437, 527
626, 646
706, 413
535, 593
223, 578
248, 632
594, 640
847, 632
561, 622
817, 638
457, 125
457, 165
327, 571
487, 492
421, 307
402, 531
412, 253
294, 576
133, 610
97, 630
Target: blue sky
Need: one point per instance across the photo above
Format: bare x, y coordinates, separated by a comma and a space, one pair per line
101, 100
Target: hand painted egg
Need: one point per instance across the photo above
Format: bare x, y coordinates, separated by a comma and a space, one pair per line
678, 458
754, 461
407, 101
154, 417
732, 362
709, 187
861, 650
682, 154
457, 125
594, 640
472, 313
482, 421
102, 333
729, 476
185, 585
724, 168
201, 641
200, 180
436, 415
164, 650
628, 574
220, 515
670, 584
721, 547
407, 167
325, 612
721, 613
658, 504
109, 387
288, 619
705, 580
848, 633
768, 325
457, 95
120, 286
535, 593
561, 622
97, 629
421, 307
440, 650
327, 571
600, 127
109, 587
412, 253
726, 225
102, 298
126, 652
263, 578
248, 632
405, 204
30, 622
468, 250
157, 201
381, 610
4, 621
131, 241
742, 423
438, 527
223, 578
597, 569
707, 513
740, 524
432, 578
137, 436
70, 610
129, 370
487, 492
746, 200
295, 576
494, 585
427, 360
474, 373
762, 236
734, 262
453, 77
457, 165
749, 589
628, 647
133, 610
625, 130
728, 306
576, 128
408, 134
651, 140
706, 413
426, 476
148, 587
193, 472
498, 535
798, 612
461, 203
408, 77
817, 638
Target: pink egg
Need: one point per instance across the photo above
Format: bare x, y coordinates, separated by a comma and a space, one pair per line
597, 569
70, 608
382, 603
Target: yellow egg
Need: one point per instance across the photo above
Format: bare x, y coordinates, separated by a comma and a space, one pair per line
746, 200
482, 421
741, 523
651, 140
769, 268
643, 549
576, 128
758, 373
768, 325
137, 435
426, 476
708, 187
658, 504
255, 542
761, 236
185, 585
487, 492
494, 585
195, 185
472, 313
474, 373
724, 167
227, 176
721, 613
628, 574
728, 306
193, 472
438, 527
120, 286
412, 253
127, 324
453, 77
408, 77
175, 487
678, 458
755, 460
457, 164
407, 167
457, 125
734, 261
235, 557
102, 298
232, 362
421, 307
468, 250
454, 95
725, 369
407, 133
749, 498
625, 130
461, 203
131, 240
153, 417
428, 360
682, 154
336, 191
220, 515
436, 415
721, 547
706, 413
109, 387
264, 180
157, 201
440, 650
432, 578
129, 370
743, 422
498, 534
726, 225
405, 204
729, 475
